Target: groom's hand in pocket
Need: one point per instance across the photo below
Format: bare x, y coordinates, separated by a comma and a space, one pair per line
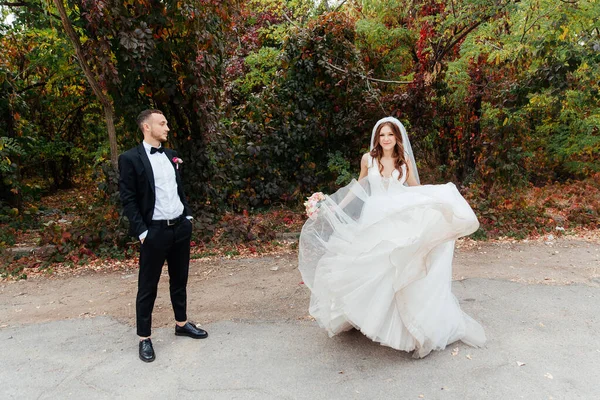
143, 236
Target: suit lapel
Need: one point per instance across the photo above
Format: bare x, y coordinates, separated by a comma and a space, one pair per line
147, 165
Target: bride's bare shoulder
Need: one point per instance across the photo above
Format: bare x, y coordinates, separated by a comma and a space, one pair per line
365, 159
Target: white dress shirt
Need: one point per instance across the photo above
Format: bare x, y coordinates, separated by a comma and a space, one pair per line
168, 205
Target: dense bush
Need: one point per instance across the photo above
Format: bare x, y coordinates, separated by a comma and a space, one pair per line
270, 101
281, 139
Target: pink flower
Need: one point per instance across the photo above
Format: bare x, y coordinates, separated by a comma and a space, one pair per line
313, 203
177, 161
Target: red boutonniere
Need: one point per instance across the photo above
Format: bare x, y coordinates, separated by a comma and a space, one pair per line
177, 161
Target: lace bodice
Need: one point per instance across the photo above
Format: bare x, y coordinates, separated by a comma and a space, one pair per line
381, 184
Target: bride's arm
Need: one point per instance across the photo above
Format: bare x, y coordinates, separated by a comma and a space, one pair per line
364, 170
411, 176
364, 166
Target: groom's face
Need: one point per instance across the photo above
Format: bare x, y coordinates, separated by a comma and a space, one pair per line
159, 128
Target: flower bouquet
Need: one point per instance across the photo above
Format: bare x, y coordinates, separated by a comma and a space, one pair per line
313, 203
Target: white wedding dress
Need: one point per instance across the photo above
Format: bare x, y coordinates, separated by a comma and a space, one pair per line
378, 257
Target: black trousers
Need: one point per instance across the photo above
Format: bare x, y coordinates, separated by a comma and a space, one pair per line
163, 243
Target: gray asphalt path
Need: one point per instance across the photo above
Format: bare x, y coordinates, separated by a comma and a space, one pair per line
543, 343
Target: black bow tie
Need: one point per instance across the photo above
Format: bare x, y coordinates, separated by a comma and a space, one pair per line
155, 149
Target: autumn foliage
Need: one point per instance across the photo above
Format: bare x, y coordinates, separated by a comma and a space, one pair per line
270, 101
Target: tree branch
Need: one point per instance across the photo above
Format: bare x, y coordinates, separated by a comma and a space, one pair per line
31, 87
290, 21
17, 4
340, 5
80, 107
524, 28
459, 38
26, 4
536, 21
92, 81
366, 77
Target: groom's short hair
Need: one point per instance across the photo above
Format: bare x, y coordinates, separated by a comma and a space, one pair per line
143, 116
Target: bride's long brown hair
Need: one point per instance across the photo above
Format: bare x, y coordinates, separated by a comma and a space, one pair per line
398, 153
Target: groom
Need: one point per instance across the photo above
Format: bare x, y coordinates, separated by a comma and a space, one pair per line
159, 215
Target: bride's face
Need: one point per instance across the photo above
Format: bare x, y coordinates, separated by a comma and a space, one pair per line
387, 139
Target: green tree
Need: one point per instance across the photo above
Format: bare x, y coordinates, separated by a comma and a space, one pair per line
46, 106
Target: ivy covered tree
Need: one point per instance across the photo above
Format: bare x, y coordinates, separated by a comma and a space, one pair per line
167, 55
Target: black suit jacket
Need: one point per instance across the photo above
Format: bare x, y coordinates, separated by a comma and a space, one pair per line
136, 187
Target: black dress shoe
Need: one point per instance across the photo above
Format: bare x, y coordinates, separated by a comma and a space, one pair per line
190, 330
146, 350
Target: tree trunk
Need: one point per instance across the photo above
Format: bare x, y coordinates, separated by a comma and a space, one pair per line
102, 97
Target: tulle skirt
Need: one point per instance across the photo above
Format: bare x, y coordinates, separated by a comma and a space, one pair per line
381, 261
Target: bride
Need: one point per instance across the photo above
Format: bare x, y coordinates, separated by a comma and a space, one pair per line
378, 254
